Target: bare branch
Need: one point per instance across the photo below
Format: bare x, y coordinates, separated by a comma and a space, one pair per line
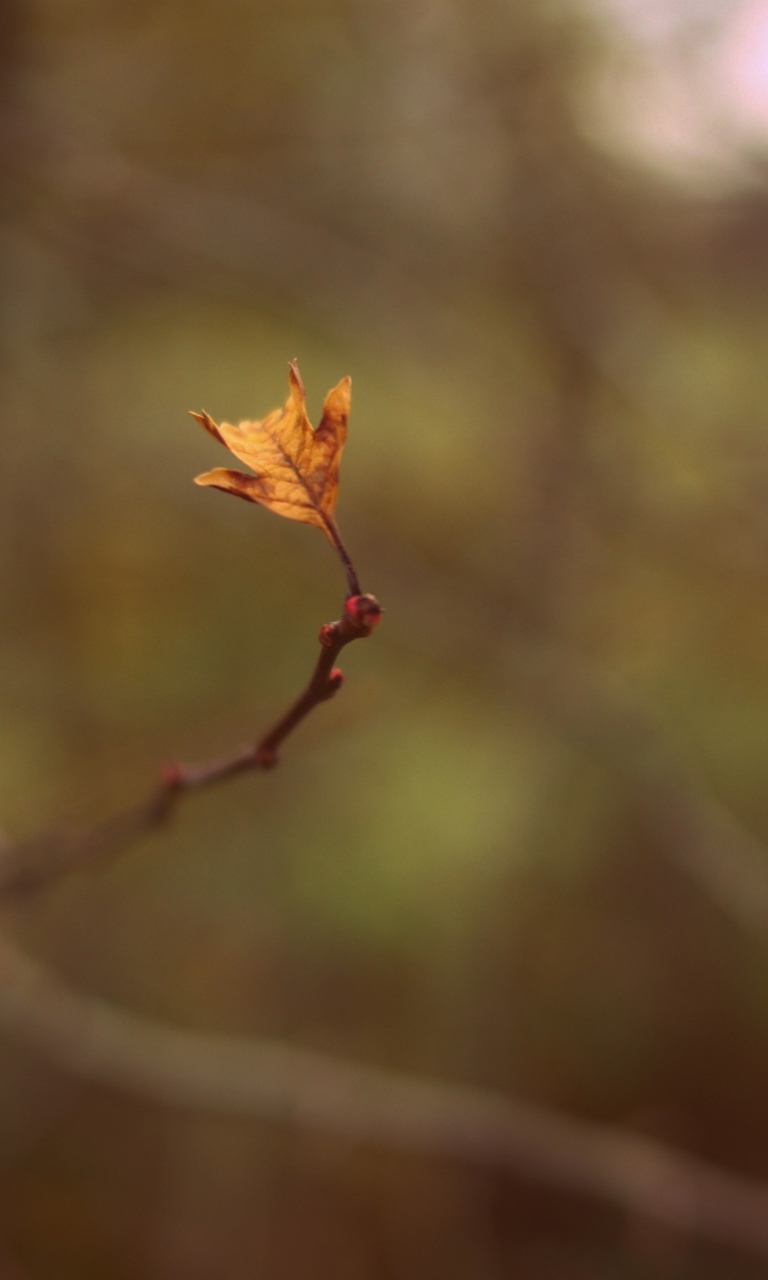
30, 864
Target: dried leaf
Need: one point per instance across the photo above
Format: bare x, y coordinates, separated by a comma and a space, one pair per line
296, 468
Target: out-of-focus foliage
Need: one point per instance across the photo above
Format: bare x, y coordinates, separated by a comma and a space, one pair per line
558, 348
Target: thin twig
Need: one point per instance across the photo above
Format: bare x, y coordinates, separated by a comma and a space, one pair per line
30, 864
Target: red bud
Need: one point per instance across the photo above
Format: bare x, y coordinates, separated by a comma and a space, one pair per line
172, 775
364, 612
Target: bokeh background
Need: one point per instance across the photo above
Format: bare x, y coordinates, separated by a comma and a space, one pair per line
536, 234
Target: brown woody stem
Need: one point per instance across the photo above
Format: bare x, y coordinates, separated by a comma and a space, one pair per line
30, 864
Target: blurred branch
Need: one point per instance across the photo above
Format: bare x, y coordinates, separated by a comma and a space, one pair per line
592, 708
227, 240
696, 833
263, 1078
225, 237
30, 864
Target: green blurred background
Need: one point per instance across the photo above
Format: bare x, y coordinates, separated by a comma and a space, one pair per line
536, 235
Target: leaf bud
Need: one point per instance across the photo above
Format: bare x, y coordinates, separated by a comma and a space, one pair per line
172, 776
266, 758
363, 613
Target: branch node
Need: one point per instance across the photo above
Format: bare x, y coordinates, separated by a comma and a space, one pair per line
335, 681
172, 776
266, 758
361, 614
328, 634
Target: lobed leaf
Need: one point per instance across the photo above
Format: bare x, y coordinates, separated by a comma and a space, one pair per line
296, 468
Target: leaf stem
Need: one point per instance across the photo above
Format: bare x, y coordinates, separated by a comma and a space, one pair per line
335, 536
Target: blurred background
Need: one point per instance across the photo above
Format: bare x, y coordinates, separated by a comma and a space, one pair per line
536, 235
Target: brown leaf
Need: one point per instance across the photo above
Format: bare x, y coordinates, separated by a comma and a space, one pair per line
296, 468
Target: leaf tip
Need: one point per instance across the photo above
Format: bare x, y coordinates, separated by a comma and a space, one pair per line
208, 424
236, 482
295, 379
